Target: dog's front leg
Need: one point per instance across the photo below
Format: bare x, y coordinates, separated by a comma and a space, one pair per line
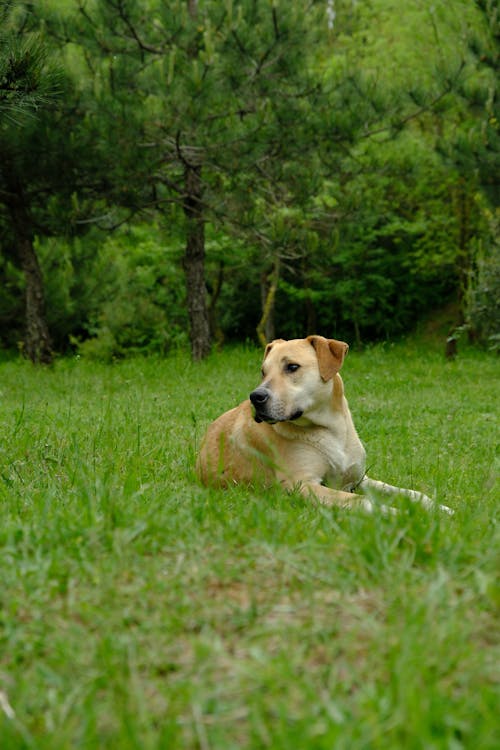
327, 496
368, 484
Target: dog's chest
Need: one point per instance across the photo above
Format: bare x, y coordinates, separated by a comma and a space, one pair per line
336, 459
340, 460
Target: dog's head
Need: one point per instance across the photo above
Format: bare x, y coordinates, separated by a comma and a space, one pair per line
297, 378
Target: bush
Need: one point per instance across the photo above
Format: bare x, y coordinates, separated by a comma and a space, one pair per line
113, 296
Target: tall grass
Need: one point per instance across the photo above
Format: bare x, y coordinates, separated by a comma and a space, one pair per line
140, 610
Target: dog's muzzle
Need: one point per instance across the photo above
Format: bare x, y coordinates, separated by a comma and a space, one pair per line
260, 398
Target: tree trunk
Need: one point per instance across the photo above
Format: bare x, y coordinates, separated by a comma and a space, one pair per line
37, 344
311, 317
194, 263
194, 257
464, 264
268, 287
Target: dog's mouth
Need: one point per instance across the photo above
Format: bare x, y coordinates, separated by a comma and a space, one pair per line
261, 417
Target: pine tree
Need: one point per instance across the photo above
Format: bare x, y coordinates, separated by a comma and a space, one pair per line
196, 95
28, 85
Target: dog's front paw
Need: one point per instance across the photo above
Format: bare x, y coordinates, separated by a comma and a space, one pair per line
431, 505
369, 507
388, 510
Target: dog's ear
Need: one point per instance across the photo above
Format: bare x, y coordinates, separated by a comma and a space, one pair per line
330, 354
270, 346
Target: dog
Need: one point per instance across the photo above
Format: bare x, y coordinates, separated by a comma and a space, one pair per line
296, 429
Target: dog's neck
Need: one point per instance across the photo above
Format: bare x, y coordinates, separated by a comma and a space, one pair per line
337, 393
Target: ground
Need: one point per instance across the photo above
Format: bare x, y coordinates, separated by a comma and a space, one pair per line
140, 610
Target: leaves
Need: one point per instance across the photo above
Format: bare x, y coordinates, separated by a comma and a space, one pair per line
363, 156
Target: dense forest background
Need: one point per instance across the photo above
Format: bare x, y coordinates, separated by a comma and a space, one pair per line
178, 172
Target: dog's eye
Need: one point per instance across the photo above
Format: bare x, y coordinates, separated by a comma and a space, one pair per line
290, 367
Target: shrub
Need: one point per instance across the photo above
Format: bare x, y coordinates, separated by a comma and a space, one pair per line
115, 295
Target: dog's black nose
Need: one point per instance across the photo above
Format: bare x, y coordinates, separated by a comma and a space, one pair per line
259, 396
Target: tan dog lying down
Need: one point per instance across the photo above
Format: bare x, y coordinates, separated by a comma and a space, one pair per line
296, 429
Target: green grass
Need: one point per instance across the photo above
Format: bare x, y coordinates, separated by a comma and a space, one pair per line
140, 610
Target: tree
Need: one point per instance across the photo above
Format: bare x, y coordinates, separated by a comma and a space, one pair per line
28, 85
206, 92
473, 152
50, 175
292, 151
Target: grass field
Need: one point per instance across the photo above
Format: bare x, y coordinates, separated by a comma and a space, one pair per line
139, 610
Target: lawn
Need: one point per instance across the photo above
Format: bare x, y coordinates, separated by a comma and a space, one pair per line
140, 610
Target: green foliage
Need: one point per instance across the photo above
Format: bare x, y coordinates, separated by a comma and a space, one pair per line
28, 79
11, 304
140, 610
384, 252
359, 153
124, 297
